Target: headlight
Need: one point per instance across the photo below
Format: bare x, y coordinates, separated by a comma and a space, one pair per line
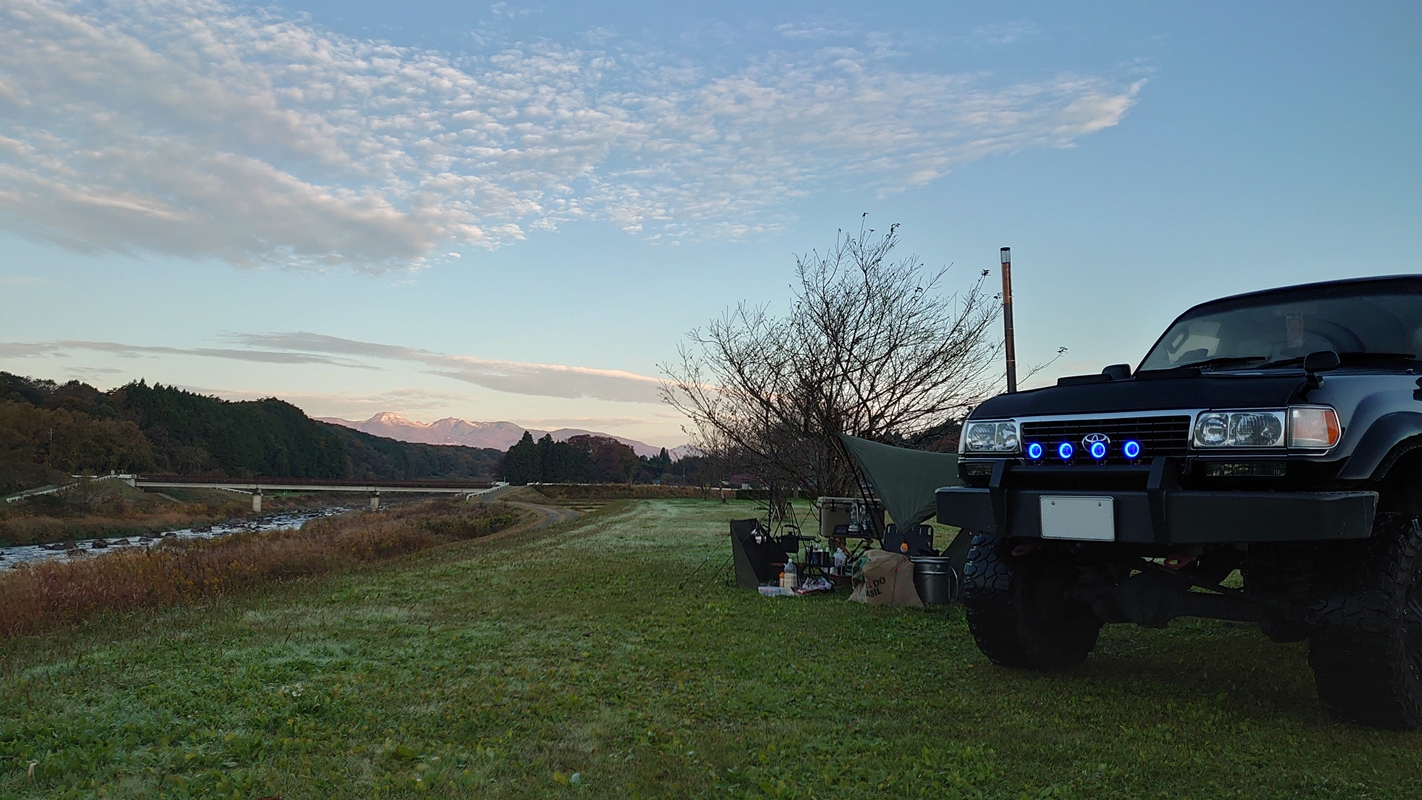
1212, 430
991, 437
1313, 426
1240, 429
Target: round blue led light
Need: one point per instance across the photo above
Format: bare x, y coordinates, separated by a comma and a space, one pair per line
1034, 451
1064, 451
1131, 449
1098, 450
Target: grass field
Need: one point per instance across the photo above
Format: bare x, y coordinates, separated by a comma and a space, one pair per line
568, 662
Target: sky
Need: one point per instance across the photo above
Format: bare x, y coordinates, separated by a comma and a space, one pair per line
515, 211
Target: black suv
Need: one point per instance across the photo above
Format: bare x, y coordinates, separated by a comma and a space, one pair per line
1276, 433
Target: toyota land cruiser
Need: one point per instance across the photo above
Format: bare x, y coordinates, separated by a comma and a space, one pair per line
1277, 434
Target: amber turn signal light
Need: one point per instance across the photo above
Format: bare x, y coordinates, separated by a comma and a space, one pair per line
1313, 426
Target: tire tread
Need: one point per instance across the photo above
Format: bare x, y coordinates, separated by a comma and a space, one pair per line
1357, 648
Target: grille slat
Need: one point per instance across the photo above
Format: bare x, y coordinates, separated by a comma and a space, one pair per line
1158, 436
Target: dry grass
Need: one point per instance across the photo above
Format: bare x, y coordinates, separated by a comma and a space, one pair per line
42, 596
106, 509
46, 529
621, 491
111, 508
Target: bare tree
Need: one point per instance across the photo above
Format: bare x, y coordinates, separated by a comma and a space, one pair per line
872, 347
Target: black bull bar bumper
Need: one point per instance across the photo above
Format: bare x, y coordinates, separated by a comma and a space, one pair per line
1160, 516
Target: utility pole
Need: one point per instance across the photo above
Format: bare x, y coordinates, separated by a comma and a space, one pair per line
1006, 254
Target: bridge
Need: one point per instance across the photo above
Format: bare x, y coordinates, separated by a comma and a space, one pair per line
255, 486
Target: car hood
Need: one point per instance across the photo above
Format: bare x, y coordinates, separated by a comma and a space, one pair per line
1155, 394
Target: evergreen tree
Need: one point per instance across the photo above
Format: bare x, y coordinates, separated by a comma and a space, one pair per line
523, 463
660, 464
547, 468
74, 427
562, 463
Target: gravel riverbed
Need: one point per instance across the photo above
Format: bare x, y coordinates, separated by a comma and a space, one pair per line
15, 555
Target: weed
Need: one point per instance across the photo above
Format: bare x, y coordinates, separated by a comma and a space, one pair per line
51, 593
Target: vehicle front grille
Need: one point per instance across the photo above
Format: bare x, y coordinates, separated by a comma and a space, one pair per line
1158, 436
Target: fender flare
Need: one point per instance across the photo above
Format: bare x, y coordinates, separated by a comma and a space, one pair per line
1390, 437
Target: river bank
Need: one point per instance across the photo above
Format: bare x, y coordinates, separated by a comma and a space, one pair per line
12, 556
112, 510
61, 588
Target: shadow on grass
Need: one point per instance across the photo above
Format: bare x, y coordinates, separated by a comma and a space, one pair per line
1233, 668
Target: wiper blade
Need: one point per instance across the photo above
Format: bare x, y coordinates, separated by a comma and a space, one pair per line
1222, 361
1196, 367
1359, 356
1348, 357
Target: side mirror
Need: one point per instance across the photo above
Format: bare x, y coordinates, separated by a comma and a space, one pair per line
1321, 361
1117, 372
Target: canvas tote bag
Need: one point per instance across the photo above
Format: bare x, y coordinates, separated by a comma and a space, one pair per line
882, 578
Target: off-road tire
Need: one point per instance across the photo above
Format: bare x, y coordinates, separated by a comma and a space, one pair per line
1365, 643
1018, 610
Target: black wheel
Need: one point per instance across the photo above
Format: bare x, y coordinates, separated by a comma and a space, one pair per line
1284, 577
1365, 644
1018, 610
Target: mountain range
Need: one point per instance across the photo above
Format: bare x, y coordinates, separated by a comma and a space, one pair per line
498, 435
50, 431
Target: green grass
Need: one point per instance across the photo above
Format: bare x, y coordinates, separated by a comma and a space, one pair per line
568, 662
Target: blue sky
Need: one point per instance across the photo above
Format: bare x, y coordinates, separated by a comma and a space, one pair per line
514, 211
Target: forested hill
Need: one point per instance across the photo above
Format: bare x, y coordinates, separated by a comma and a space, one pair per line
48, 429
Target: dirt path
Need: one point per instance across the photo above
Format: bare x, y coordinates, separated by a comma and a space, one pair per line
551, 515
546, 514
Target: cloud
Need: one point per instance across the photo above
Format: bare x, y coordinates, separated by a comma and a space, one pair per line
412, 402
93, 374
1007, 32
62, 348
408, 399
134, 351
515, 377
506, 10
189, 128
586, 423
26, 350
21, 280
798, 30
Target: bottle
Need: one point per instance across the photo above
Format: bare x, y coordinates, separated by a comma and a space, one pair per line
840, 558
789, 579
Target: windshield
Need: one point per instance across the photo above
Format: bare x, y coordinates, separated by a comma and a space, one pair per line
1360, 328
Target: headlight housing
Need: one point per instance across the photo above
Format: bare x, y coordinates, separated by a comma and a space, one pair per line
991, 436
1300, 427
1239, 429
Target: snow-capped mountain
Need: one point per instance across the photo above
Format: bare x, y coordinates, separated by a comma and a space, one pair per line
498, 435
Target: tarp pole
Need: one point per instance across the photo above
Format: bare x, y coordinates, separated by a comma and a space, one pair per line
861, 482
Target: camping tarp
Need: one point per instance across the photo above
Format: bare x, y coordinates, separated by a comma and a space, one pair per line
905, 480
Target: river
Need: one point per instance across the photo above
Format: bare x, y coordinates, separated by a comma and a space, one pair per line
13, 556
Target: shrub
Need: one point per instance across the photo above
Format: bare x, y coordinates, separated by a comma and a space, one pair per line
49, 594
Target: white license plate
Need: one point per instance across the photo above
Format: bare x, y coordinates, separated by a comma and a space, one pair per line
1089, 519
